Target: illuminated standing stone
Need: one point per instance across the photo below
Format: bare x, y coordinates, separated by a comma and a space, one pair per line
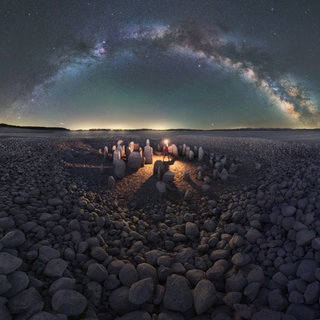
148, 154
173, 150
105, 152
200, 154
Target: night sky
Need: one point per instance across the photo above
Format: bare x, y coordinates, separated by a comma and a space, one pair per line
202, 64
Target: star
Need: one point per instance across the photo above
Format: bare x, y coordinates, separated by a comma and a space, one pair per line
238, 62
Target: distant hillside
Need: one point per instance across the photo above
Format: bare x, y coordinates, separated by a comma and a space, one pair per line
4, 125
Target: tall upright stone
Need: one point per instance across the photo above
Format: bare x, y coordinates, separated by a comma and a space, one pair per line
184, 147
105, 152
119, 168
195, 150
116, 156
121, 150
158, 167
148, 153
190, 155
173, 150
187, 151
134, 160
131, 146
200, 154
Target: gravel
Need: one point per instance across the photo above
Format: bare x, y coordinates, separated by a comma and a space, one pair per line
238, 238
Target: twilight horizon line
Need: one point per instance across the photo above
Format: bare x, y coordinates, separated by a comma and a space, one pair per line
5, 125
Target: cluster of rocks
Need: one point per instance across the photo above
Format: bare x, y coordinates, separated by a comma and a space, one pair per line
252, 253
133, 154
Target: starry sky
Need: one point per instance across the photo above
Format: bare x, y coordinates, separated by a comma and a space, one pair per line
200, 64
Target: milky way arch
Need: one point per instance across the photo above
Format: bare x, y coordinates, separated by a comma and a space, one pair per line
250, 63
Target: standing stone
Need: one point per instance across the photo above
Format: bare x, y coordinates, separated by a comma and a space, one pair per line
178, 295
200, 154
211, 161
191, 155
173, 150
204, 295
148, 154
184, 149
224, 175
131, 146
111, 182
116, 156
187, 150
119, 168
68, 302
134, 161
158, 165
105, 152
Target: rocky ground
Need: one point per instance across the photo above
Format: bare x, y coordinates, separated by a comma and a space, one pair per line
239, 246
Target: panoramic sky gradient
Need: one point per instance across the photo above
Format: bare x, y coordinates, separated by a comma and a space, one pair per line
201, 64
